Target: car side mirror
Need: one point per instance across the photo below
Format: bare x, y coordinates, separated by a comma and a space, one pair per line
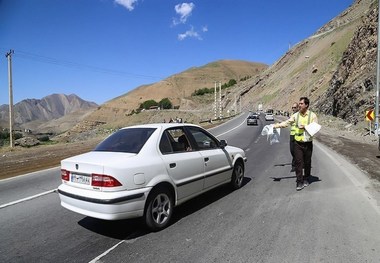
223, 143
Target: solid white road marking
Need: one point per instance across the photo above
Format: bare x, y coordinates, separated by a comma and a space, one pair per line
231, 129
28, 174
95, 260
353, 174
27, 198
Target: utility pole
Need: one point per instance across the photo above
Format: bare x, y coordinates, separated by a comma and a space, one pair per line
215, 103
377, 77
240, 99
235, 104
220, 100
9, 57
308, 77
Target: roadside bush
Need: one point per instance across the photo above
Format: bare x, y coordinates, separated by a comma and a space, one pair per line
43, 138
201, 92
148, 103
165, 104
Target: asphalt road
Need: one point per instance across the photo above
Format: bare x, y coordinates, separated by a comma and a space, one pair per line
335, 219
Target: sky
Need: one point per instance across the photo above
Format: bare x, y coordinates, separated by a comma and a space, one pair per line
101, 49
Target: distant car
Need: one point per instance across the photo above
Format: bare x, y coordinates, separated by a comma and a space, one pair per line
146, 170
269, 117
252, 119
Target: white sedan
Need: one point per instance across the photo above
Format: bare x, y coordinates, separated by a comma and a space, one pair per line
269, 117
146, 170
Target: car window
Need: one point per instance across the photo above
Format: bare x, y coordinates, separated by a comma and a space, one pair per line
165, 144
174, 141
126, 140
204, 141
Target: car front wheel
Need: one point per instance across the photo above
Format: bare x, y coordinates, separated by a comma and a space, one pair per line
237, 175
159, 209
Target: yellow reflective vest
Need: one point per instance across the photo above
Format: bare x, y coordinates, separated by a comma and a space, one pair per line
296, 120
293, 129
300, 134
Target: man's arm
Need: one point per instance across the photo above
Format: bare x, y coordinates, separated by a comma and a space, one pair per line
286, 123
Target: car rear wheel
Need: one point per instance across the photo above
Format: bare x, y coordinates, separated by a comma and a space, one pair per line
237, 175
159, 209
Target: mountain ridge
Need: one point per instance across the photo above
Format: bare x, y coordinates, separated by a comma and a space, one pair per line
43, 110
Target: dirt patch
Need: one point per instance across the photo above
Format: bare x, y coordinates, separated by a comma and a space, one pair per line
363, 152
19, 160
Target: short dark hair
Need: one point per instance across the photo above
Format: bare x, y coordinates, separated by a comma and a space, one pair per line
305, 100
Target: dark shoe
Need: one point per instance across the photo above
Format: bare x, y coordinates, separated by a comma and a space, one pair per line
305, 182
299, 186
293, 169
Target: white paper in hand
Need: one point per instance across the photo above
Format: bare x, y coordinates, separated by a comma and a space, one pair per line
312, 128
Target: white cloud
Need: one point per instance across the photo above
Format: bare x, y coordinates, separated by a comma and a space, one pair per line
184, 11
204, 29
129, 4
189, 33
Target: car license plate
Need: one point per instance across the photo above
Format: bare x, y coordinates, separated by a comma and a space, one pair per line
80, 179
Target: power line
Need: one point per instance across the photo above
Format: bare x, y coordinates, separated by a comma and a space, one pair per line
80, 66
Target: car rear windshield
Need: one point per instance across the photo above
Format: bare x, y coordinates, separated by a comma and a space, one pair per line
126, 140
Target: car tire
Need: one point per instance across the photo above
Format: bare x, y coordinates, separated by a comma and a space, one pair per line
159, 209
237, 175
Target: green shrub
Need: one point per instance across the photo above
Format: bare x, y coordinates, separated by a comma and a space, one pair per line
147, 104
165, 104
43, 138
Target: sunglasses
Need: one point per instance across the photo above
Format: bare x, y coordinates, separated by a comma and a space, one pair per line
294, 107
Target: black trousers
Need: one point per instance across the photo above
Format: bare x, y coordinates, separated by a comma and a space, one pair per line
291, 146
302, 155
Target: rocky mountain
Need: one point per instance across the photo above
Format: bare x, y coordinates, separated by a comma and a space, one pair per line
335, 67
352, 87
43, 110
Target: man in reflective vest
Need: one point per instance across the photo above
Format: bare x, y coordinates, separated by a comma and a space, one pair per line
291, 140
303, 147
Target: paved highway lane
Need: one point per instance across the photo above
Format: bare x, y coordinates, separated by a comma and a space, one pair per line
333, 220
29, 185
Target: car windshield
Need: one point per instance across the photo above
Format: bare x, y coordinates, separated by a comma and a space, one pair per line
126, 140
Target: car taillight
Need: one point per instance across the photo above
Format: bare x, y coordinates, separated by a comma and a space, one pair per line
102, 180
65, 175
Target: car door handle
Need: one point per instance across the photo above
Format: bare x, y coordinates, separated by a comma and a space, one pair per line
172, 165
207, 159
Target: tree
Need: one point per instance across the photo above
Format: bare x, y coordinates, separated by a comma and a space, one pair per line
231, 82
165, 104
147, 104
